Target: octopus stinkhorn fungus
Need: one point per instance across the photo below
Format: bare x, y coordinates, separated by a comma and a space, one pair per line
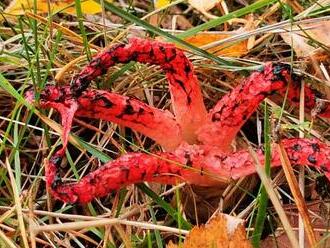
197, 142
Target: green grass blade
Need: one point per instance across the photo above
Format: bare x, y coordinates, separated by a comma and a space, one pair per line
17, 160
157, 233
218, 21
82, 28
34, 27
114, 76
11, 90
122, 195
263, 197
167, 207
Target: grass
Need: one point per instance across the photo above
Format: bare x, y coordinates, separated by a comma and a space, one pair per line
33, 52
262, 200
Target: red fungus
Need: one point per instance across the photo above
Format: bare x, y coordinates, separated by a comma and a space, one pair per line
197, 143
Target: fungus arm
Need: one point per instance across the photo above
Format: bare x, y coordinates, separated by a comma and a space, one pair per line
233, 110
186, 95
128, 169
301, 152
194, 164
157, 124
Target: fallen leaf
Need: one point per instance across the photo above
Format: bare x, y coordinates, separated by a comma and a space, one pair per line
306, 41
19, 7
221, 231
161, 3
204, 6
231, 50
200, 5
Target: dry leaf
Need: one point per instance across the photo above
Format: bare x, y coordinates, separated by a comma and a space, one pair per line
302, 41
19, 7
200, 5
221, 231
231, 50
204, 6
161, 3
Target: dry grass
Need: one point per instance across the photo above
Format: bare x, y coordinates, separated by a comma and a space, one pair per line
35, 50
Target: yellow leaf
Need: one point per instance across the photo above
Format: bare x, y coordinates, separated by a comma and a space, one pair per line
19, 7
232, 50
222, 231
161, 3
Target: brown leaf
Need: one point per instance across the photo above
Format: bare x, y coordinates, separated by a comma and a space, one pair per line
202, 5
221, 231
306, 41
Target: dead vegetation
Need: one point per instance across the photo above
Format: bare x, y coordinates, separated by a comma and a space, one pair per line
37, 48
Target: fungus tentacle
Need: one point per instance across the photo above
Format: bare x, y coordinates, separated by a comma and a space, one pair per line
187, 100
155, 123
301, 152
233, 110
205, 166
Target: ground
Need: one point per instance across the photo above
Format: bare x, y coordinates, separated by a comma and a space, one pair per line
34, 55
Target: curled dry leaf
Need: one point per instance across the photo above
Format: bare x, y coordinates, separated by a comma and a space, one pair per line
221, 231
204, 6
306, 39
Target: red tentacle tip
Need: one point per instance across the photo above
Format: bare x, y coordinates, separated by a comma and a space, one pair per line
60, 191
